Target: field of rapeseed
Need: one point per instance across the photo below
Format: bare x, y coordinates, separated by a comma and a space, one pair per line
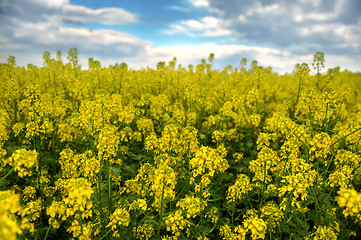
179, 153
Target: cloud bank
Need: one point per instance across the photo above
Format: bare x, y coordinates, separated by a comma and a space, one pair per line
277, 33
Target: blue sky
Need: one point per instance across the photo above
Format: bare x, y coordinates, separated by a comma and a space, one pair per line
276, 33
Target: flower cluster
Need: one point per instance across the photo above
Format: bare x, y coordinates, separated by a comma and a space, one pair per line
350, 200
320, 145
323, 233
78, 165
76, 204
120, 217
139, 204
144, 231
10, 205
176, 223
24, 162
241, 187
191, 205
206, 163
238, 233
272, 215
256, 225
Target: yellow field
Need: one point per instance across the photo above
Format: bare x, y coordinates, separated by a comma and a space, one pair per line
179, 153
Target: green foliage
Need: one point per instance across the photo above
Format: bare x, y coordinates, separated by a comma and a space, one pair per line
73, 56
58, 55
11, 60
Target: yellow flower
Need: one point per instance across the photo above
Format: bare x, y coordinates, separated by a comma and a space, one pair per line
78, 165
81, 231
176, 223
350, 200
24, 162
257, 226
192, 205
76, 201
239, 233
144, 231
10, 205
32, 210
139, 204
208, 161
9, 228
120, 217
29, 193
272, 214
323, 233
320, 145
241, 186
108, 141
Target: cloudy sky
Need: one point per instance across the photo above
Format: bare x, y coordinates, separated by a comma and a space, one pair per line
277, 33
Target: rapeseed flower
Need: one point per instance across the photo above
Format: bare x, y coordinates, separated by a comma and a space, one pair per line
176, 223
320, 146
10, 205
144, 231
239, 233
139, 204
350, 200
120, 217
257, 226
24, 162
323, 233
241, 187
272, 214
191, 205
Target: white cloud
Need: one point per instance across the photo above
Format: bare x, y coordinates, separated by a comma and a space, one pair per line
206, 26
28, 33
242, 18
178, 8
280, 61
299, 15
37, 10
328, 26
349, 36
193, 53
321, 17
104, 16
199, 3
315, 3
274, 9
317, 29
49, 3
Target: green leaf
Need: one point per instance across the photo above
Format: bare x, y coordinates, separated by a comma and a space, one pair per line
115, 170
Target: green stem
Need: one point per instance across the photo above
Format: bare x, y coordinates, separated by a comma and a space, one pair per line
106, 234
326, 118
308, 150
317, 205
358, 142
3, 178
37, 147
345, 136
47, 233
264, 183
161, 213
109, 188
136, 223
98, 79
